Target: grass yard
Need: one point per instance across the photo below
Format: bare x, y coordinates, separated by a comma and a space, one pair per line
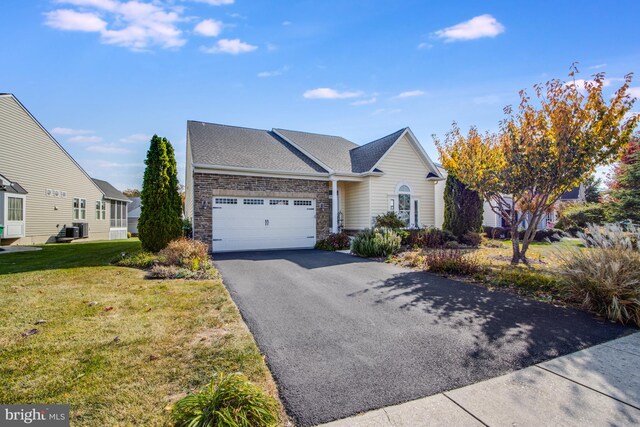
117, 347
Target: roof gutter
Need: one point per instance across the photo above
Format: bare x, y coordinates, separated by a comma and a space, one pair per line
256, 170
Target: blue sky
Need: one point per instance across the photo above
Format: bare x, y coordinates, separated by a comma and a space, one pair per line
104, 75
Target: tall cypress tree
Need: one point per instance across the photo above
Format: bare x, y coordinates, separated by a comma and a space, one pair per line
159, 221
462, 208
625, 185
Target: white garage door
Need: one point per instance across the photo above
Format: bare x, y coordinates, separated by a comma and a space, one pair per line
254, 223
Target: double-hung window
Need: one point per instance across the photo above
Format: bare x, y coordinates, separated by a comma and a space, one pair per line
15, 209
101, 209
79, 208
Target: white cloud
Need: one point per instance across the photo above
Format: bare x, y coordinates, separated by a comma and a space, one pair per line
597, 66
131, 24
273, 73
581, 83
285, 23
69, 131
425, 46
380, 111
328, 93
70, 20
486, 99
135, 138
108, 149
475, 28
208, 28
215, 2
365, 101
233, 47
409, 94
634, 91
85, 139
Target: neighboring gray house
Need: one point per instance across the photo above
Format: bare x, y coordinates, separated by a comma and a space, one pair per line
134, 215
43, 190
249, 189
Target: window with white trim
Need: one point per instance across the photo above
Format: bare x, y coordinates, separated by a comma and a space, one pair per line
253, 201
118, 214
404, 204
101, 209
226, 201
79, 208
15, 209
278, 202
302, 203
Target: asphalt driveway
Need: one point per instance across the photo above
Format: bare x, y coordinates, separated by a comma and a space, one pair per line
344, 335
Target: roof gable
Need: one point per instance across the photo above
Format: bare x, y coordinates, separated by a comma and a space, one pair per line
109, 191
231, 146
365, 157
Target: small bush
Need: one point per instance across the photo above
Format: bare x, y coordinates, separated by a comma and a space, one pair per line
605, 276
471, 239
548, 235
375, 242
452, 261
190, 254
405, 235
229, 401
335, 242
527, 279
581, 214
128, 234
389, 220
140, 259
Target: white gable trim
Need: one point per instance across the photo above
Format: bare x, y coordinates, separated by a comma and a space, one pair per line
416, 145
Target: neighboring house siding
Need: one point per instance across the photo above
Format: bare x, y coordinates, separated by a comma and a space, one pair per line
403, 164
31, 158
208, 185
439, 199
489, 217
356, 205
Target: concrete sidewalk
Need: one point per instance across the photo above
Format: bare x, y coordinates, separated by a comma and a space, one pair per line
599, 386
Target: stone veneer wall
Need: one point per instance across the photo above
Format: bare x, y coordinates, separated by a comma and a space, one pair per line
206, 186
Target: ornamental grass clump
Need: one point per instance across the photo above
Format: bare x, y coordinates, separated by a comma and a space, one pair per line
229, 401
452, 261
605, 276
377, 242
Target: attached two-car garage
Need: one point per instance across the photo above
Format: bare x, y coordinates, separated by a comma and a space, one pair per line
257, 223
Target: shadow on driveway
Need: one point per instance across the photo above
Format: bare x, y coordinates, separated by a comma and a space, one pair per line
344, 335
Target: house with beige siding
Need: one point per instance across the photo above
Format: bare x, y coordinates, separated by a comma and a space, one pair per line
45, 195
251, 189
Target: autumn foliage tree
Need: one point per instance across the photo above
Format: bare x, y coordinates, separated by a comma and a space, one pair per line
541, 150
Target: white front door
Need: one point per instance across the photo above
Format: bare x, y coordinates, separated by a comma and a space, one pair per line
256, 223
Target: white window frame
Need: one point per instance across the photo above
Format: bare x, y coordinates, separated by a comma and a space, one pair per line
10, 227
9, 212
394, 203
79, 212
101, 210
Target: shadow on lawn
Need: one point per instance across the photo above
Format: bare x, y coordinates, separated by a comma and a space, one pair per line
505, 327
66, 255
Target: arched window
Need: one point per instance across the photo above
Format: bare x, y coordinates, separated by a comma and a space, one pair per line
404, 203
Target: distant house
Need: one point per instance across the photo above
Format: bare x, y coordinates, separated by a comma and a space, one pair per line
134, 215
45, 195
250, 189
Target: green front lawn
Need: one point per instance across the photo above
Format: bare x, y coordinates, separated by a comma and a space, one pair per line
117, 347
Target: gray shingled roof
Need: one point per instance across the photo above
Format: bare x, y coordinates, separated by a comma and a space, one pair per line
573, 194
332, 151
221, 145
13, 187
110, 192
365, 157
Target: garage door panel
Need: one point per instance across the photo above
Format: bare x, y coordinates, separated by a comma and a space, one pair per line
262, 223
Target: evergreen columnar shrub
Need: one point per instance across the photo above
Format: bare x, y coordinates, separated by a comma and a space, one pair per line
451, 261
389, 220
605, 276
335, 242
463, 208
229, 401
161, 206
375, 243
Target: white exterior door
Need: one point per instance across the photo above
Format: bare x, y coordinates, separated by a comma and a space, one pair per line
255, 223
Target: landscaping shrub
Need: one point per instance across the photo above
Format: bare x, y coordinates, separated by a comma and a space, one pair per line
375, 242
470, 238
605, 276
229, 401
190, 254
140, 259
549, 234
580, 215
389, 220
128, 234
335, 242
526, 279
451, 261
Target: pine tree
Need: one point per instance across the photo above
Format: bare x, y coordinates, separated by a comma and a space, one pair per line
159, 221
625, 185
592, 189
463, 208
